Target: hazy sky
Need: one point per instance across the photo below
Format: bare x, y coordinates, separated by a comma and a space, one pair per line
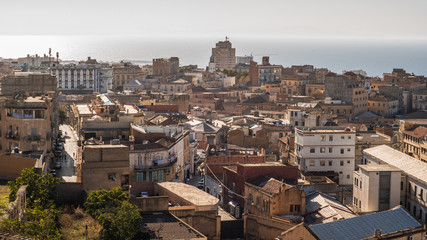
236, 18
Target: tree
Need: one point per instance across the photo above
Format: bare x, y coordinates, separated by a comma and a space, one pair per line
41, 219
123, 222
98, 202
119, 218
40, 190
62, 116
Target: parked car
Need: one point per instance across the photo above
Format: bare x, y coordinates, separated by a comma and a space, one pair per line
60, 146
201, 184
57, 165
143, 194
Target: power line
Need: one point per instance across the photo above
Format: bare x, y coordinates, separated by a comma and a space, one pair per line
222, 184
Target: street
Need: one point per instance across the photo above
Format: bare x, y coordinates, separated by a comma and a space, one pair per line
68, 169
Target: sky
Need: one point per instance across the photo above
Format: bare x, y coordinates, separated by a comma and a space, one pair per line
361, 19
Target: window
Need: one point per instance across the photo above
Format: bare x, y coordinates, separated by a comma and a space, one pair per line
154, 176
322, 150
312, 163
342, 137
421, 194
139, 177
331, 138
322, 138
360, 204
312, 150
330, 150
342, 150
401, 185
348, 176
330, 162
349, 137
322, 162
112, 176
161, 176
415, 191
348, 149
360, 184
409, 188
341, 163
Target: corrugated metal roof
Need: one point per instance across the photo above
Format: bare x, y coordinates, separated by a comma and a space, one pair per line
404, 162
364, 226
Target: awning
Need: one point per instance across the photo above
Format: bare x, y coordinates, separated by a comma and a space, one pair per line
233, 203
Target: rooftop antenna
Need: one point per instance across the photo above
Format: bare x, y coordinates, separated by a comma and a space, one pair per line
226, 38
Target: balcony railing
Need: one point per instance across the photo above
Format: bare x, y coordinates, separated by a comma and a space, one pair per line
32, 138
155, 165
12, 136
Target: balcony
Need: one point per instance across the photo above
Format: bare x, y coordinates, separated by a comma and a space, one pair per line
12, 136
33, 138
156, 165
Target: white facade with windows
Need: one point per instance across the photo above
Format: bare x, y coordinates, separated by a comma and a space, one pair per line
413, 185
92, 78
326, 149
376, 188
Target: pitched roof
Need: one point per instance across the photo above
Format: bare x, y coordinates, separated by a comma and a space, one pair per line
417, 132
205, 127
367, 115
393, 220
135, 82
257, 99
404, 162
321, 207
415, 115
273, 186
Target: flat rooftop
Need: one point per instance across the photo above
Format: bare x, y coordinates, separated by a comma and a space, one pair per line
341, 129
106, 146
83, 109
190, 194
371, 137
373, 167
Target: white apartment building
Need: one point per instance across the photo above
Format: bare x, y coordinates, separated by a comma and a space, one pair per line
413, 184
177, 86
376, 188
93, 78
326, 149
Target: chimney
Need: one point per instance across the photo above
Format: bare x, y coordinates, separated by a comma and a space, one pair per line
377, 233
132, 143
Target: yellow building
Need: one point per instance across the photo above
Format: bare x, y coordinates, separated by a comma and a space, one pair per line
124, 73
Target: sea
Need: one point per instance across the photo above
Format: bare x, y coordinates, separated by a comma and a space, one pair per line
375, 56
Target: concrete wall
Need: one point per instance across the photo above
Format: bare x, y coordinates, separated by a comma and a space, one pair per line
297, 232
206, 222
151, 204
264, 228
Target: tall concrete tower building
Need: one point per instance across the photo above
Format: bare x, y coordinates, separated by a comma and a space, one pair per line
224, 56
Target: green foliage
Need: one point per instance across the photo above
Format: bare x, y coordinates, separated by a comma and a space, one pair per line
40, 190
39, 223
41, 219
123, 222
100, 201
119, 218
62, 116
232, 73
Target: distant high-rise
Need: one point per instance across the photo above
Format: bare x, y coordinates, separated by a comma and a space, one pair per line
224, 56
